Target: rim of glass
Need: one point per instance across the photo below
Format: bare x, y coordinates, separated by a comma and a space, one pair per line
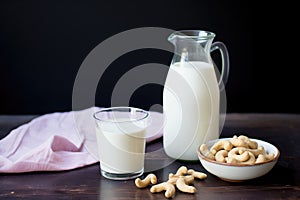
194, 34
121, 109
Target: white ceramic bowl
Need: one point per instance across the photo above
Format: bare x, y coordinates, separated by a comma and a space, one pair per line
236, 173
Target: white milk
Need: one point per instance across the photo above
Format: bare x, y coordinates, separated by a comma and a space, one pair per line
191, 108
121, 147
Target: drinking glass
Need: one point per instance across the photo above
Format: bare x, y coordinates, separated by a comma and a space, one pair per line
121, 138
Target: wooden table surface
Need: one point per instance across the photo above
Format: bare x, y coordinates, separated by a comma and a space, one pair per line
282, 182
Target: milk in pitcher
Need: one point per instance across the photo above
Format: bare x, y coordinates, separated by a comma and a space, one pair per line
191, 108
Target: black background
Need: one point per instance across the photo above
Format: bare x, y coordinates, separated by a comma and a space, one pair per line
43, 43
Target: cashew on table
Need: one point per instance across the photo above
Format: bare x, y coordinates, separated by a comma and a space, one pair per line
182, 179
150, 178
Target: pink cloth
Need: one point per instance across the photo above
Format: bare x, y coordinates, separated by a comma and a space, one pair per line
58, 141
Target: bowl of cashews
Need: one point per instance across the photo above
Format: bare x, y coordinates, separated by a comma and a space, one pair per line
238, 158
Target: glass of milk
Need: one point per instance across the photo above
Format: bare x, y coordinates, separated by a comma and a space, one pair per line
121, 138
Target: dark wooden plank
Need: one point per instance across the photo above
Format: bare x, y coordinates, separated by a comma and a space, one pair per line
282, 182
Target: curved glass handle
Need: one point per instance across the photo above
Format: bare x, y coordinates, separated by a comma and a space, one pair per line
225, 63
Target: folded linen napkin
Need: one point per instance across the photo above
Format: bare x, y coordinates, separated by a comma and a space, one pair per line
58, 141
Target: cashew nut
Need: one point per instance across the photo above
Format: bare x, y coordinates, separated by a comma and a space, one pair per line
204, 151
235, 141
249, 161
189, 179
195, 174
150, 178
269, 156
231, 160
165, 186
181, 171
182, 186
235, 153
264, 157
220, 155
222, 144
261, 158
173, 178
250, 143
256, 152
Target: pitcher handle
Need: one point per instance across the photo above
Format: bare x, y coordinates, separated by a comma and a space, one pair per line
225, 63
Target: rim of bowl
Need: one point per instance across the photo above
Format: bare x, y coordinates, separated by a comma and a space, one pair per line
242, 165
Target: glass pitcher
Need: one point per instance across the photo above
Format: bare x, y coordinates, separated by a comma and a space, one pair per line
191, 96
